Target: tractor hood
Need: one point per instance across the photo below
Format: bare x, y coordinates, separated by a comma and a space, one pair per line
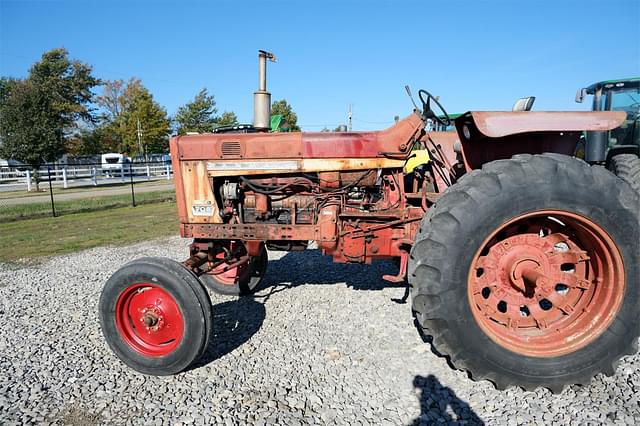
476, 125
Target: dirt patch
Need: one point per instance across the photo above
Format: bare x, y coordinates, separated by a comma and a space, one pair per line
78, 415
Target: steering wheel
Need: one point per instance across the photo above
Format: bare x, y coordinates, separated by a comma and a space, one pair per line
427, 112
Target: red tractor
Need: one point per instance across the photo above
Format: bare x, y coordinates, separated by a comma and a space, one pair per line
522, 261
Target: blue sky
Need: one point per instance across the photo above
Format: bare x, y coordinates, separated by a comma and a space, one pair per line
476, 55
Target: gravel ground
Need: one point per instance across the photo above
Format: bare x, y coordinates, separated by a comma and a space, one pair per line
321, 343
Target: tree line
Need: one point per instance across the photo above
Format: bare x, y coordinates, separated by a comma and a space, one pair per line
54, 111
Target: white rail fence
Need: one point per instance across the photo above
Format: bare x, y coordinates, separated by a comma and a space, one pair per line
90, 175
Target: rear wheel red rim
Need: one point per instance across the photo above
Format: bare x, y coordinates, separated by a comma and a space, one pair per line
149, 319
546, 284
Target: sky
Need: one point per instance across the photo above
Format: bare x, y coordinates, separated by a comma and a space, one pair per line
474, 55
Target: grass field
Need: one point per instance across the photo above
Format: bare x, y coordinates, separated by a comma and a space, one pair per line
42, 210
28, 239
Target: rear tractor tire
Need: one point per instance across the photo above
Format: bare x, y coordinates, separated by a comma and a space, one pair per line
241, 280
526, 272
627, 168
155, 316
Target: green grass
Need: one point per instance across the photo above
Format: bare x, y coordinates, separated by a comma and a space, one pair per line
40, 210
25, 240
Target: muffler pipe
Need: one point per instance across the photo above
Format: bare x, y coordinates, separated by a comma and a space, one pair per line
262, 98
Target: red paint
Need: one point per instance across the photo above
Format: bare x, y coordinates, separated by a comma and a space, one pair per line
499, 124
546, 296
297, 145
501, 135
232, 275
177, 180
164, 329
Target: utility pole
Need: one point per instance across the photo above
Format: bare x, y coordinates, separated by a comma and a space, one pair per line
350, 115
140, 150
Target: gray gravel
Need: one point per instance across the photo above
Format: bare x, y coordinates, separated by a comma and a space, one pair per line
320, 344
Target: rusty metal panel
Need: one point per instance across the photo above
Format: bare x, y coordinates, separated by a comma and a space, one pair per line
282, 166
296, 145
251, 231
197, 193
239, 145
361, 144
478, 152
500, 124
177, 180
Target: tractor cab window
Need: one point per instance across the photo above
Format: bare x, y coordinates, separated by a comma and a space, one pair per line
627, 100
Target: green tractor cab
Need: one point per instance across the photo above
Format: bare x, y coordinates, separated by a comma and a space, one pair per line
618, 149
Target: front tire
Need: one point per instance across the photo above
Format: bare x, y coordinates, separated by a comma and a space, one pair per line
525, 272
155, 316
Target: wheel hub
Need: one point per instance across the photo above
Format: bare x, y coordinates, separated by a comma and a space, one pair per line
541, 285
149, 319
521, 264
152, 318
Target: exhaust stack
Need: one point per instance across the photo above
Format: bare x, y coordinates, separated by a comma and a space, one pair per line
262, 98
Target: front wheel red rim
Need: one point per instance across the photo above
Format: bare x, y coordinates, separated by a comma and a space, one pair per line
149, 319
546, 283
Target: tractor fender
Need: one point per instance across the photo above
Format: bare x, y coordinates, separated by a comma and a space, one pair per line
489, 136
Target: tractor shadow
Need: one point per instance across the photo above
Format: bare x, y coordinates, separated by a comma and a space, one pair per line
309, 267
440, 405
234, 322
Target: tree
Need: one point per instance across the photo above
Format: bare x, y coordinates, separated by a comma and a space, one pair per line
39, 113
6, 84
67, 83
140, 107
123, 105
199, 115
30, 128
112, 98
228, 118
93, 140
290, 119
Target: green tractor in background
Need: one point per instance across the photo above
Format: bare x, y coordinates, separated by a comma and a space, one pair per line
617, 149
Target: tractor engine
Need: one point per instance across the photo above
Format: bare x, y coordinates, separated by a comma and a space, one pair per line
312, 199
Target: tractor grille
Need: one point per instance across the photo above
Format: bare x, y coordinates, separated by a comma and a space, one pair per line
231, 149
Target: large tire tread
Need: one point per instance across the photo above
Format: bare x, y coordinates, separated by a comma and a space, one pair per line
433, 254
627, 168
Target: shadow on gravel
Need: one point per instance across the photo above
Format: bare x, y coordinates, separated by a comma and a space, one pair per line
440, 405
309, 267
234, 322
